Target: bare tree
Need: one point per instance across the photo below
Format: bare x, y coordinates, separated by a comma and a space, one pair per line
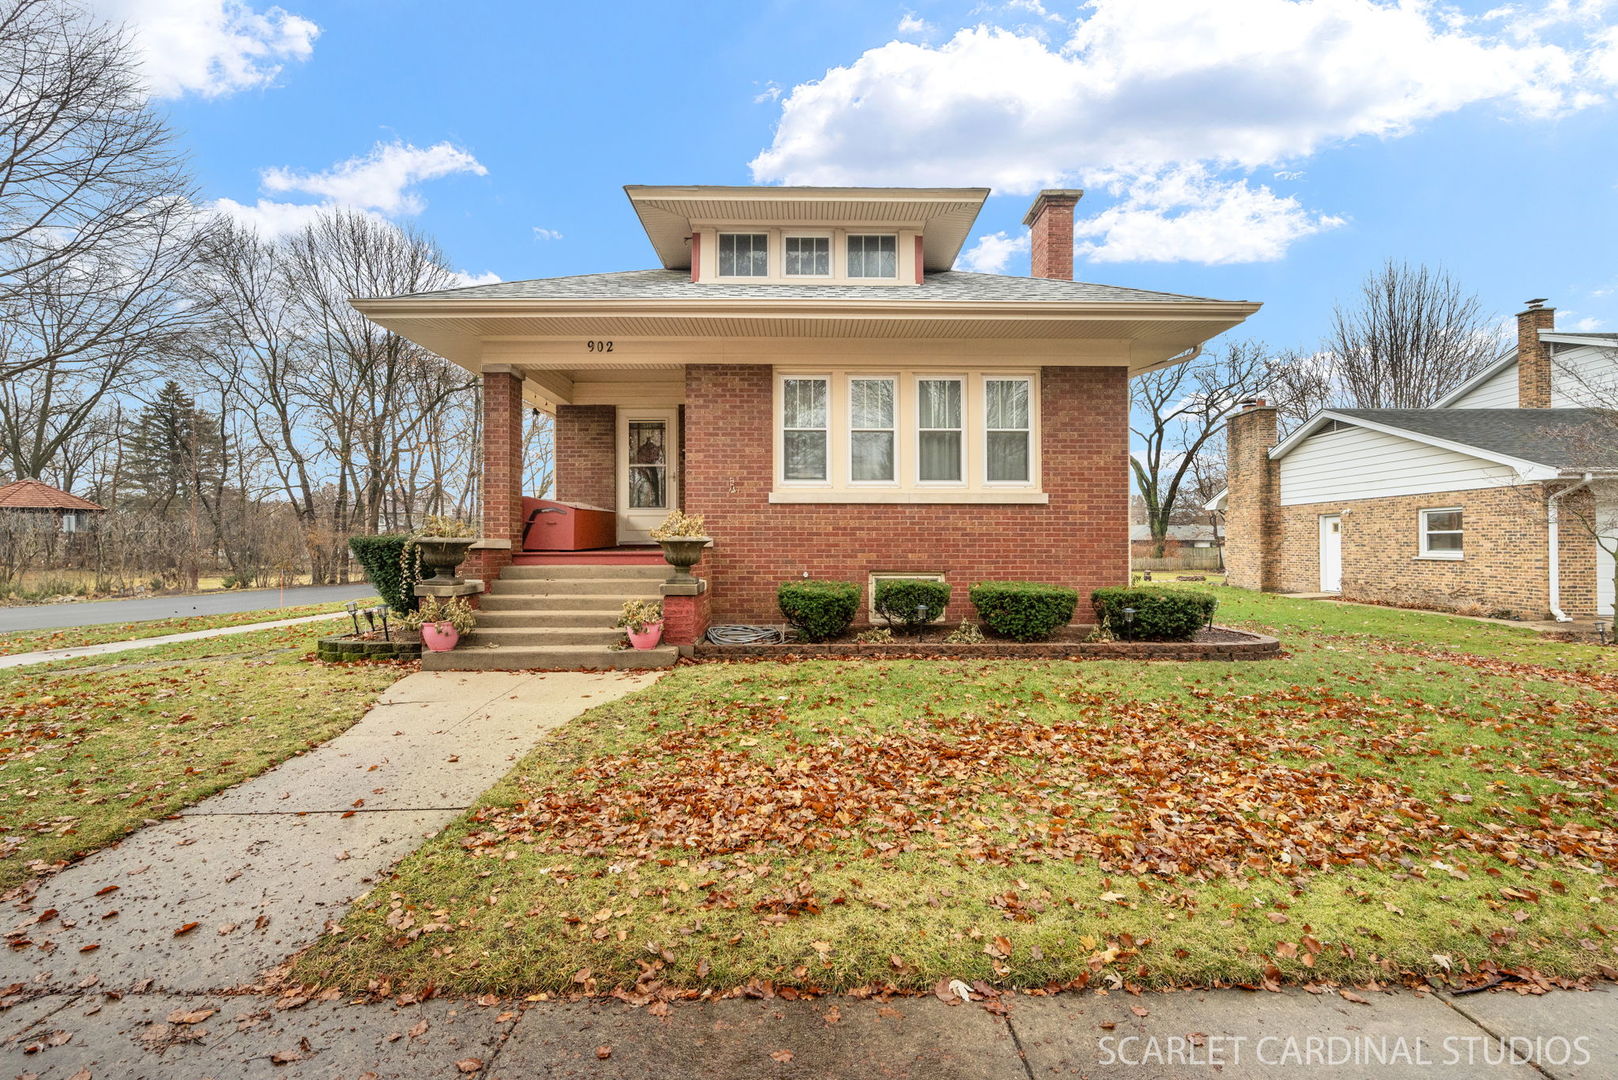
1410, 335
1179, 410
97, 217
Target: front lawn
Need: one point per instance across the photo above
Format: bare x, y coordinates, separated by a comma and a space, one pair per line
1401, 794
91, 748
74, 637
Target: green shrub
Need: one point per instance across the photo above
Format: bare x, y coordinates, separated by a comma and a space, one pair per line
818, 609
1159, 614
384, 559
1024, 610
910, 602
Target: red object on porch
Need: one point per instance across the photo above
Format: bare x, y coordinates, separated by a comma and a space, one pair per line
559, 526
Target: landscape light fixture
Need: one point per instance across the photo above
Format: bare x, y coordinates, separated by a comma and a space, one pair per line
370, 619
353, 607
1129, 616
382, 613
1601, 632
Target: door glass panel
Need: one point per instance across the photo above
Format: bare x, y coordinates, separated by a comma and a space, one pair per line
648, 464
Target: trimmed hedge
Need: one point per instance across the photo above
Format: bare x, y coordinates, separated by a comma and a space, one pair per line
899, 599
1159, 614
382, 557
818, 609
1024, 610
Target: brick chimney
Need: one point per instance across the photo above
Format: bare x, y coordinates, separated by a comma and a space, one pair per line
1252, 506
1050, 223
1534, 356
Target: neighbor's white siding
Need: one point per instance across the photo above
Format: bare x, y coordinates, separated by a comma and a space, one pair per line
1582, 377
1358, 463
1607, 520
1498, 391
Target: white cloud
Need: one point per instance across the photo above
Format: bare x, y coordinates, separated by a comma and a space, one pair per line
912, 23
463, 279
1185, 215
993, 252
270, 219
211, 47
1140, 93
542, 233
380, 180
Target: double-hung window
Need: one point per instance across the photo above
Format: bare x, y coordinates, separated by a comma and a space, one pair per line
805, 412
1008, 423
872, 413
1441, 533
807, 256
873, 256
939, 415
744, 255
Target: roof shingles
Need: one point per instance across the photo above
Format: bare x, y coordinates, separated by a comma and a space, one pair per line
1560, 438
31, 494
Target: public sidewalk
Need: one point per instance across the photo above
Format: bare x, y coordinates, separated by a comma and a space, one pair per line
106, 648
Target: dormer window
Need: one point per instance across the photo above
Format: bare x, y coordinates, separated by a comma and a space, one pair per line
808, 256
873, 256
744, 255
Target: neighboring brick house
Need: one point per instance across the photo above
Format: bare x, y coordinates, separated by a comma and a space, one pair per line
1501, 500
808, 372
66, 512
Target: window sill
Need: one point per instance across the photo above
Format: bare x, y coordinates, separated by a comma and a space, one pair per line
980, 498
1438, 558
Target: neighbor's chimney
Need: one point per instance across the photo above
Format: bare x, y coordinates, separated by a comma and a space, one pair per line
1252, 539
1534, 356
1050, 224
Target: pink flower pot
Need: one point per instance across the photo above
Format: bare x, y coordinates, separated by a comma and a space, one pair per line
647, 638
439, 636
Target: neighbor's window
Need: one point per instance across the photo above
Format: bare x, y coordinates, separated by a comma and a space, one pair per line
808, 256
1441, 533
870, 433
873, 256
744, 255
938, 430
803, 428
1008, 420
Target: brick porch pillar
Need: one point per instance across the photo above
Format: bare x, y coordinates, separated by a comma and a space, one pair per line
502, 471
1252, 505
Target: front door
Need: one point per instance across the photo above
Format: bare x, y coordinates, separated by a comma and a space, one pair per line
1331, 553
648, 473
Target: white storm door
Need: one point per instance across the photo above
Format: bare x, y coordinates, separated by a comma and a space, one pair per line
1331, 553
648, 473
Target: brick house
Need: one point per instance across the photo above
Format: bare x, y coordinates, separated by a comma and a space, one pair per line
1501, 500
807, 371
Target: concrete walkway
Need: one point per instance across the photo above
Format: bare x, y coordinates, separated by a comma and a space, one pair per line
1228, 1034
143, 608
256, 871
45, 656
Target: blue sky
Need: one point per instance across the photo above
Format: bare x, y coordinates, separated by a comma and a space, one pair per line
1243, 149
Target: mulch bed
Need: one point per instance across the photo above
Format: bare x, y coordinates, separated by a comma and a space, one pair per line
1212, 643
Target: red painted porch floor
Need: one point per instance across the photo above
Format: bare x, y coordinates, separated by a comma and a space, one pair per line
623, 555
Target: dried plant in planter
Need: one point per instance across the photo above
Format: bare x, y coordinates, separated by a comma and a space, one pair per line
637, 615
455, 611
447, 528
678, 526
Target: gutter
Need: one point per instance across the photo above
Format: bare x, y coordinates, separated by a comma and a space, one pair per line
1553, 539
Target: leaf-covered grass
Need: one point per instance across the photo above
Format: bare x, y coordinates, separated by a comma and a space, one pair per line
1402, 795
74, 637
90, 748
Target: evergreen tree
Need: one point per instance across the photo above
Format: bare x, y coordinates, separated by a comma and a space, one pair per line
175, 457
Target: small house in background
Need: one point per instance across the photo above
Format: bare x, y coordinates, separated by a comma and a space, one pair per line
1178, 536
29, 496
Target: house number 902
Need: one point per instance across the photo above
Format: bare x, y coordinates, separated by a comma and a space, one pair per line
598, 346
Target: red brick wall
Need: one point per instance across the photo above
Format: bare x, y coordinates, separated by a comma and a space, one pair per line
1051, 235
685, 618
1081, 538
502, 471
586, 455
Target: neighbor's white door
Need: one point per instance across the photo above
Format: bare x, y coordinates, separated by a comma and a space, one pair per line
1331, 553
1607, 517
648, 472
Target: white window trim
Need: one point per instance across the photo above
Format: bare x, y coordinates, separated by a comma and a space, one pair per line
1424, 531
780, 425
848, 272
848, 437
1033, 442
807, 234
770, 254
915, 429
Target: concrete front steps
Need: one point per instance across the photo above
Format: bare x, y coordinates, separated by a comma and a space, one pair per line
557, 618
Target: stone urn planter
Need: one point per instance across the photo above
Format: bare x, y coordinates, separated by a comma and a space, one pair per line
442, 554
439, 636
682, 553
